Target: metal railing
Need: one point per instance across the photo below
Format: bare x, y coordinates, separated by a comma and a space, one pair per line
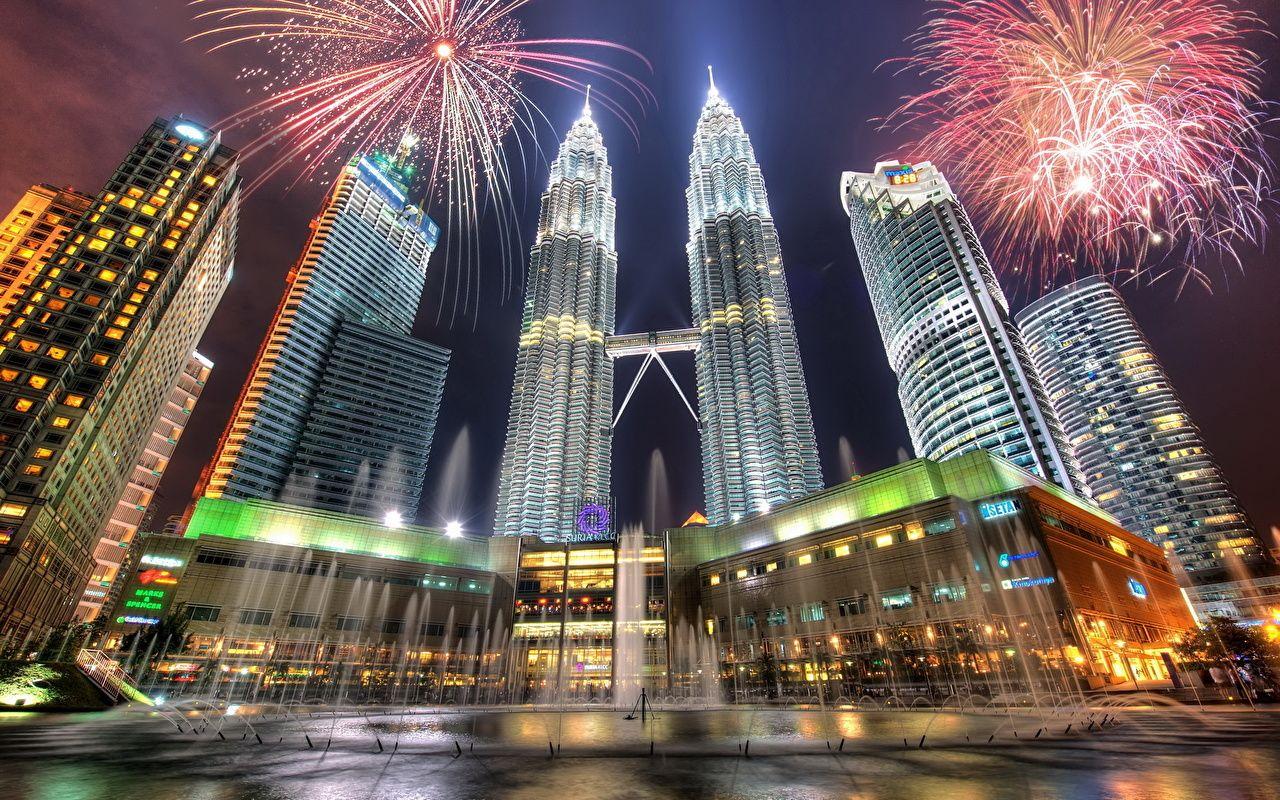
104, 672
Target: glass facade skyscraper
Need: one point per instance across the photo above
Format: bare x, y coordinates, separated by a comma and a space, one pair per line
758, 444
90, 352
964, 378
314, 424
559, 432
1143, 457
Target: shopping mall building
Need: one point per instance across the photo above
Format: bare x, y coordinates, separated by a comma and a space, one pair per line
967, 576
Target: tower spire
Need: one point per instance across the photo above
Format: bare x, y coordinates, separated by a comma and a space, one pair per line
586, 107
711, 76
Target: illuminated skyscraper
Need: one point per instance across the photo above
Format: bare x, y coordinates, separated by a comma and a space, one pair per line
91, 351
1142, 456
758, 446
559, 435
131, 509
31, 233
340, 407
964, 379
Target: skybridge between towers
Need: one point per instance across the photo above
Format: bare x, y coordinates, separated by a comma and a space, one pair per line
652, 345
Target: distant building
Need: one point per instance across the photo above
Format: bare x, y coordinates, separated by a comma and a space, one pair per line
1143, 457
758, 444
964, 379
133, 509
33, 231
93, 349
340, 407
560, 429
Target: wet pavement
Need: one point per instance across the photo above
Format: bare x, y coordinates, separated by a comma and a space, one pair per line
1140, 754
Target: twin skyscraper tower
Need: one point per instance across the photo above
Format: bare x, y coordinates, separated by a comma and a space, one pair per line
758, 444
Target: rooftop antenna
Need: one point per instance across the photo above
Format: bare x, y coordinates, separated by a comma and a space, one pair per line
586, 107
711, 75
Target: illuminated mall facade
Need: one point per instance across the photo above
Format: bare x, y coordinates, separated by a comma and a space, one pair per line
957, 577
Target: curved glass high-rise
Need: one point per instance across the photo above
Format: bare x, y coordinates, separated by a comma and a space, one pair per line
559, 433
964, 379
758, 445
339, 409
1144, 459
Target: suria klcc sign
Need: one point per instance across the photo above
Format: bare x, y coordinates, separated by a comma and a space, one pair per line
592, 524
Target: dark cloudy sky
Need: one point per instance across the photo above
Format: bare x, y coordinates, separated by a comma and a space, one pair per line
82, 78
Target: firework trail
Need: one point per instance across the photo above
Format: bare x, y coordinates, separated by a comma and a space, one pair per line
1115, 136
355, 76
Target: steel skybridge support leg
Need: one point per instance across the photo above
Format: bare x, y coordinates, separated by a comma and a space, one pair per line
679, 391
648, 359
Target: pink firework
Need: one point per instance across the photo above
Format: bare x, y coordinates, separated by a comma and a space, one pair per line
1114, 136
362, 75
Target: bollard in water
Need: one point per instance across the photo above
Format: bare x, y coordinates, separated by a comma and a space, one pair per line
310, 746
1068, 730
650, 747
458, 747
1037, 736
921, 745
991, 738
552, 748
841, 744
256, 736
220, 736
378, 739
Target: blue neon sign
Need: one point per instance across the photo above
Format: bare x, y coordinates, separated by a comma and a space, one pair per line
1137, 589
999, 508
1026, 583
1008, 558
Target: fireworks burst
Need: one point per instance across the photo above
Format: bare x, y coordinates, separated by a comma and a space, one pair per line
361, 75
1117, 136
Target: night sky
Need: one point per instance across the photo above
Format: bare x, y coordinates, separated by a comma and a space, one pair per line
83, 78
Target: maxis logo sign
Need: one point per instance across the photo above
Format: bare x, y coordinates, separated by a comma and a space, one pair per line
999, 508
1137, 589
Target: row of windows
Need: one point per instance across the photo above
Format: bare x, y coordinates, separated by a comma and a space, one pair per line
837, 549
226, 558
311, 621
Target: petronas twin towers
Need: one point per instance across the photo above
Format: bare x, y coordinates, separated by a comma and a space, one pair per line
758, 445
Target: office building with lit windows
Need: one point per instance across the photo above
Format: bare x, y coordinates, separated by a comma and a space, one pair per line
132, 511
92, 349
926, 579
318, 422
758, 444
560, 429
964, 379
1142, 456
32, 231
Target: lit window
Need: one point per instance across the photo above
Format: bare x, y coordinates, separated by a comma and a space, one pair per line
128, 202
28, 346
150, 275
107, 275
97, 244
100, 359
23, 404
37, 381
57, 353
137, 230
56, 305
115, 333
33, 469
8, 375
62, 422
13, 510
148, 209
74, 400
209, 180
42, 452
